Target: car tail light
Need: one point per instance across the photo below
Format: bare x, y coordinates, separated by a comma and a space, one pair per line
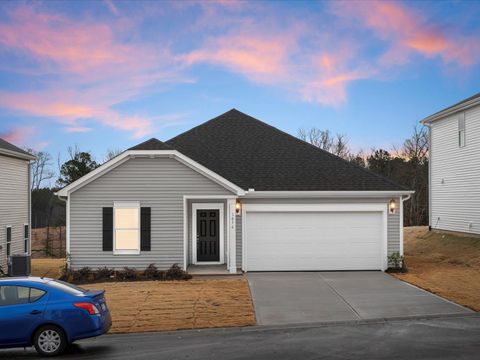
89, 307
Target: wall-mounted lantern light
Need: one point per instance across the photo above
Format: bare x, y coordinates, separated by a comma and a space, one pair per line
238, 207
392, 205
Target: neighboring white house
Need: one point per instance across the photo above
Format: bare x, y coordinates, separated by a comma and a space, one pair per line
454, 172
235, 192
14, 201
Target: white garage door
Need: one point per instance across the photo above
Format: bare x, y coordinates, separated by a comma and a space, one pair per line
313, 240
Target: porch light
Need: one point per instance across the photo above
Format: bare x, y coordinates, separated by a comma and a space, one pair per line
238, 207
392, 206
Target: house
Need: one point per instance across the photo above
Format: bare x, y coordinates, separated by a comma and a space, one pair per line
237, 192
454, 168
14, 201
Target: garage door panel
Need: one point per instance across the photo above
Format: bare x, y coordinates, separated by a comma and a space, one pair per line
313, 241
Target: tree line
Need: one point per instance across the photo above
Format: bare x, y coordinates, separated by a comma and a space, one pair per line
406, 165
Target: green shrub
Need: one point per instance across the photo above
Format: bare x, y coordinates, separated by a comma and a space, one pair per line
127, 274
104, 273
396, 261
176, 273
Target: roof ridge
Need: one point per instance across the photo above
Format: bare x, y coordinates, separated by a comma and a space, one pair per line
322, 150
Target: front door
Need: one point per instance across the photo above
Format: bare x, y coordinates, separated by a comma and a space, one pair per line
208, 237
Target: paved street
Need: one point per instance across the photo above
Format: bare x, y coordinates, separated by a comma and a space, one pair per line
446, 338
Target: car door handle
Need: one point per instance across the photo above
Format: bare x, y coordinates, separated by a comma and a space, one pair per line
35, 312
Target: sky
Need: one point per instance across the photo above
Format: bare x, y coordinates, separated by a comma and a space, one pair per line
110, 74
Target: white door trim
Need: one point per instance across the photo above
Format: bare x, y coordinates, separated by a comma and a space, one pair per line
375, 207
207, 206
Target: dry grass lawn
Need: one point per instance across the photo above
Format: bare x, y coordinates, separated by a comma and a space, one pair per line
51, 267
172, 305
444, 263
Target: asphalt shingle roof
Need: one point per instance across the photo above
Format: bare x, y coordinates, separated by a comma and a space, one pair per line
10, 147
252, 154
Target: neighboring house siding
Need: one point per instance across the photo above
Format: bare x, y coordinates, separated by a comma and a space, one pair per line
159, 183
14, 204
393, 220
455, 174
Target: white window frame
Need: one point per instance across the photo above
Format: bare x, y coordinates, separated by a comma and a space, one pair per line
26, 240
461, 131
126, 205
8, 242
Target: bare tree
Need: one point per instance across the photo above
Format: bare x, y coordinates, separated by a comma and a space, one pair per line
40, 168
416, 147
111, 153
323, 139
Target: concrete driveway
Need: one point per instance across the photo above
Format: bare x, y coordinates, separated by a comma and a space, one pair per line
309, 297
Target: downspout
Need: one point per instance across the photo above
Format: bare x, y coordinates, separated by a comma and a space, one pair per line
401, 221
67, 226
429, 176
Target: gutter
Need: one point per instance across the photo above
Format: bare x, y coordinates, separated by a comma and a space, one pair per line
326, 194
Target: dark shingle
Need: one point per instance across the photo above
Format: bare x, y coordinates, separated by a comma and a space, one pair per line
252, 154
10, 147
152, 144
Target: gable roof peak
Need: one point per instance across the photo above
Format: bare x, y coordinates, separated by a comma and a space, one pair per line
151, 144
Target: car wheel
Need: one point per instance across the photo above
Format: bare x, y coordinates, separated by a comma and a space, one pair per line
49, 340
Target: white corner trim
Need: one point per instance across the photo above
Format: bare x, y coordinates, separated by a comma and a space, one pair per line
232, 240
125, 156
185, 233
326, 194
208, 206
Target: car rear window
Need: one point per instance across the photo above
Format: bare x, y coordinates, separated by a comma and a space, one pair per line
66, 287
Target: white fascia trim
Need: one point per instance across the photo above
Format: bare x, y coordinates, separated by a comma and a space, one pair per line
326, 194
125, 156
16, 154
442, 114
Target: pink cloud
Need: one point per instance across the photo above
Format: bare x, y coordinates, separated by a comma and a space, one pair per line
408, 32
111, 7
19, 135
78, 129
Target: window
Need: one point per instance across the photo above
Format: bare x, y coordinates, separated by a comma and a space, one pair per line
126, 223
9, 240
26, 236
68, 288
15, 295
461, 130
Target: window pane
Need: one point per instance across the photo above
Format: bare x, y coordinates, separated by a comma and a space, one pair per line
126, 239
25, 246
9, 234
126, 218
25, 229
12, 295
36, 294
9, 249
461, 138
67, 287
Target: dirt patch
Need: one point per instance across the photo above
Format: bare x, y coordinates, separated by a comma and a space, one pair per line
47, 267
173, 305
444, 263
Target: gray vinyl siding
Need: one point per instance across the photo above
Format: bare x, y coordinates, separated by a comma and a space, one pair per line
159, 183
393, 220
455, 174
14, 204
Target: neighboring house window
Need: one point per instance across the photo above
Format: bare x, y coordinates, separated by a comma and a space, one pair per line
461, 130
126, 225
9, 240
26, 236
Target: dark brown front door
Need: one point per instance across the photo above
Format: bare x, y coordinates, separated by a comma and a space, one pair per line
208, 239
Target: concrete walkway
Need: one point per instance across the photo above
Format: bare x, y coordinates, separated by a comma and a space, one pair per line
311, 297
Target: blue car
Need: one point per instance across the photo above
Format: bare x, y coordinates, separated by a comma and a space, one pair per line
49, 314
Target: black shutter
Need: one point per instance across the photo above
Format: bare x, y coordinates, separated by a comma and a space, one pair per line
107, 229
145, 221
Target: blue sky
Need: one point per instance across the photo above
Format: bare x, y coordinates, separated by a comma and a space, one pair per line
110, 74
